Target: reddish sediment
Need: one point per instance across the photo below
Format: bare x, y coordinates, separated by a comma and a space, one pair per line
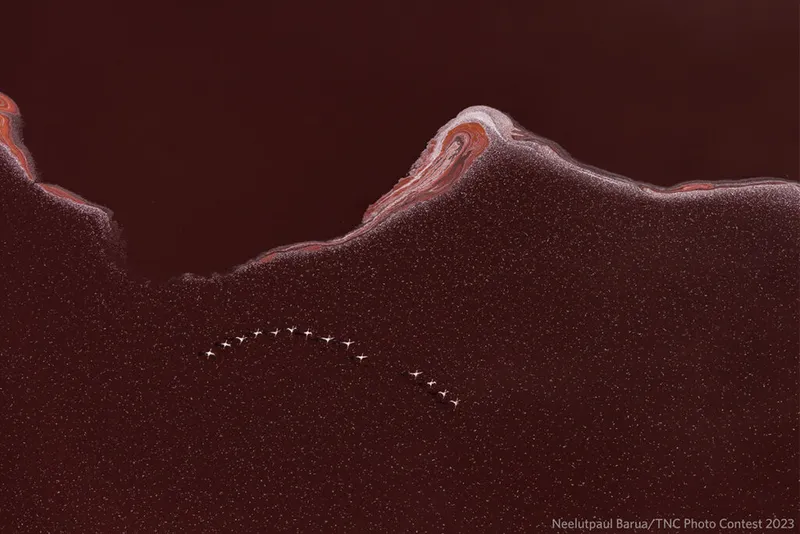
441, 165
9, 127
60, 192
10, 124
433, 174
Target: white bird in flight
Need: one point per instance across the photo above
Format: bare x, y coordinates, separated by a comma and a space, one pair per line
292, 329
226, 344
443, 393
415, 374
348, 343
455, 403
275, 332
241, 339
360, 357
209, 354
307, 333
257, 333
327, 339
431, 383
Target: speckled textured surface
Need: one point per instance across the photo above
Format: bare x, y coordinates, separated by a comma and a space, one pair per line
617, 353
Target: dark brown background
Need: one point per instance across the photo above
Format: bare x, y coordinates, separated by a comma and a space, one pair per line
616, 355
215, 134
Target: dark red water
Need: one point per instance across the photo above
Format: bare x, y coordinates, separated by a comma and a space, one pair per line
619, 350
222, 131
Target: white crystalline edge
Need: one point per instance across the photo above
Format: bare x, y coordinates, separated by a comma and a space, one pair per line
494, 122
499, 128
498, 123
102, 214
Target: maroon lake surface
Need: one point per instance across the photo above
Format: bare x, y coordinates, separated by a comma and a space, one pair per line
616, 350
